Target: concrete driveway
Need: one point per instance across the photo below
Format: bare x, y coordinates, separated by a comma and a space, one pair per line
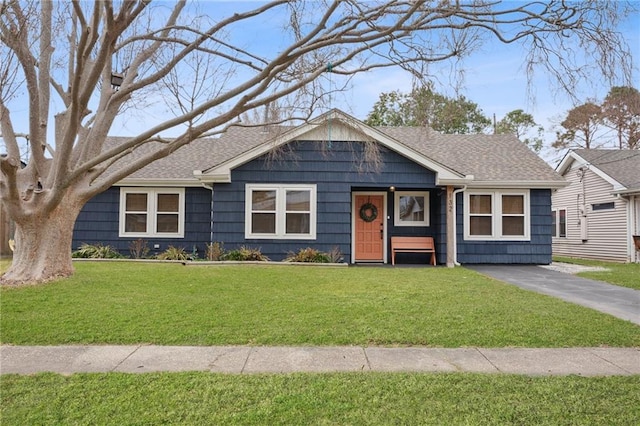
618, 301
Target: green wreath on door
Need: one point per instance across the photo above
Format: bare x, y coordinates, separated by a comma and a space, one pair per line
368, 212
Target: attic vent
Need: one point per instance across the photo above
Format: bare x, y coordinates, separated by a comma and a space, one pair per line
603, 206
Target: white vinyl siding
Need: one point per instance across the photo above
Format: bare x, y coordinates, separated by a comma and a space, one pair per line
606, 230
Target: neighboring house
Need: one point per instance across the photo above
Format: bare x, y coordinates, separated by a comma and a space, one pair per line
598, 213
336, 182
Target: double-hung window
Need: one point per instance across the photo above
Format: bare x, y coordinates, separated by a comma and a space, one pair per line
496, 215
480, 215
280, 211
559, 222
152, 212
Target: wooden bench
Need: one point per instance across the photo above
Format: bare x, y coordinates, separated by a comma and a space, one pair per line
413, 245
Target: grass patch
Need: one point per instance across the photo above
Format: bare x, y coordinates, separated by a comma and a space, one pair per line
352, 398
622, 274
169, 304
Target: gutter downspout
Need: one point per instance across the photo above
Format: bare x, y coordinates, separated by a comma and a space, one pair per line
455, 225
210, 188
630, 214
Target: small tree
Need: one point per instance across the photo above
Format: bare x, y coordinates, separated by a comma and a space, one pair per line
580, 126
425, 107
522, 125
621, 113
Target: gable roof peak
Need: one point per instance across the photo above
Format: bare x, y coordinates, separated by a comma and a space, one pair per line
617, 166
339, 125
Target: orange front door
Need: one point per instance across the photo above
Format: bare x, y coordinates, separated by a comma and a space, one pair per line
369, 238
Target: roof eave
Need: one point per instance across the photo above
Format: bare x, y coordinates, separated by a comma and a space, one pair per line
566, 161
179, 183
627, 191
455, 181
222, 176
519, 184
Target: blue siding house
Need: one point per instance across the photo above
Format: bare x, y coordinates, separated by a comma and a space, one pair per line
335, 182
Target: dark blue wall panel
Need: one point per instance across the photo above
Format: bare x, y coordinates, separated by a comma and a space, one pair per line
535, 251
98, 223
337, 173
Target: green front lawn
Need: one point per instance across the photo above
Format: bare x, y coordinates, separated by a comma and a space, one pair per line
318, 399
622, 274
279, 305
170, 304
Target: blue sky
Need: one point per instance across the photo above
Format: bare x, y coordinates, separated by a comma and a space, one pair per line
494, 77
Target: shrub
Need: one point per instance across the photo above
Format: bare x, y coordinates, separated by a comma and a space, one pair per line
138, 249
194, 253
173, 253
335, 255
308, 255
96, 251
215, 251
246, 254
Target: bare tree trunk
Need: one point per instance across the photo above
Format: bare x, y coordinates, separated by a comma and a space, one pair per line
43, 247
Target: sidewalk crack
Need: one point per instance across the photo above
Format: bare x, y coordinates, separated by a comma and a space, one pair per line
212, 364
609, 362
246, 361
366, 357
126, 358
488, 360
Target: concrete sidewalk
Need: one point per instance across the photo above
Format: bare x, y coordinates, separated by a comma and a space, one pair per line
249, 360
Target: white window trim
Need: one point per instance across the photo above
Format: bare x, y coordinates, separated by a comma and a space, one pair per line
396, 213
152, 212
281, 205
556, 232
496, 215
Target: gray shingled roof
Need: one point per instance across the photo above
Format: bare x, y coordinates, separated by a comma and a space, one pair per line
486, 157
178, 165
623, 165
237, 140
198, 155
500, 158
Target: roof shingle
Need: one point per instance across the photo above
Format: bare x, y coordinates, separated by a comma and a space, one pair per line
486, 157
623, 165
